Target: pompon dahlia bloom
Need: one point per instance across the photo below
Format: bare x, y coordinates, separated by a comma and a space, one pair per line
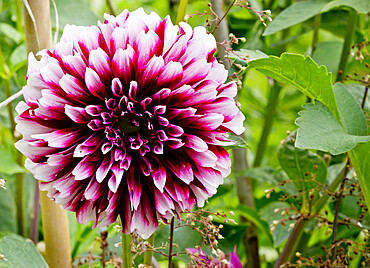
129, 118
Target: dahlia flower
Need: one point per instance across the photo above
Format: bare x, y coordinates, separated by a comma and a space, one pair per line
202, 260
128, 118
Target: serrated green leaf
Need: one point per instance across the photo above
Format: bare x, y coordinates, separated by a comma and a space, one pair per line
319, 129
245, 55
21, 253
303, 167
303, 73
252, 215
294, 14
351, 115
360, 159
361, 6
239, 142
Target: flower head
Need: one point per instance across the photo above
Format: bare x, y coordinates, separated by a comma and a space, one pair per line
129, 118
202, 260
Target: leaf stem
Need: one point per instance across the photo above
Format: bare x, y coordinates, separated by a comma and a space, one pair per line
182, 11
18, 13
171, 243
149, 252
269, 118
350, 30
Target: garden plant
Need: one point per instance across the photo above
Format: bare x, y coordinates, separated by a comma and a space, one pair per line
176, 133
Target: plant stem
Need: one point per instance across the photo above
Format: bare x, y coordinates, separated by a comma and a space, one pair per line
335, 226
182, 11
364, 97
350, 30
269, 118
18, 14
171, 243
126, 249
56, 234
35, 217
110, 7
294, 237
316, 28
149, 252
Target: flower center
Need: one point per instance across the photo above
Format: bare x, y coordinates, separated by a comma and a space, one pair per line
129, 126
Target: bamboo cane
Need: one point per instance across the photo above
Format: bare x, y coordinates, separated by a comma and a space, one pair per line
54, 219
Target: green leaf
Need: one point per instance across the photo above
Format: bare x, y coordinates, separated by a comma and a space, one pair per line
351, 115
303, 73
245, 55
252, 215
21, 253
10, 32
294, 14
360, 159
361, 6
7, 162
303, 167
239, 142
319, 129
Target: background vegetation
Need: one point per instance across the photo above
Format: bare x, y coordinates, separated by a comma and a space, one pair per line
302, 206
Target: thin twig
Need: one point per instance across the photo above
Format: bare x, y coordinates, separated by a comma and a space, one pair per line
227, 11
171, 243
10, 99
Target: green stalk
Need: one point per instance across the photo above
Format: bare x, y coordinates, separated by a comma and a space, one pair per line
182, 11
315, 37
126, 249
269, 118
149, 252
350, 30
18, 14
294, 237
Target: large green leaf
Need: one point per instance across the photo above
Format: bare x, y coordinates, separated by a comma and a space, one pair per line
360, 160
303, 167
319, 129
351, 114
294, 14
361, 6
252, 215
303, 73
21, 253
245, 55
